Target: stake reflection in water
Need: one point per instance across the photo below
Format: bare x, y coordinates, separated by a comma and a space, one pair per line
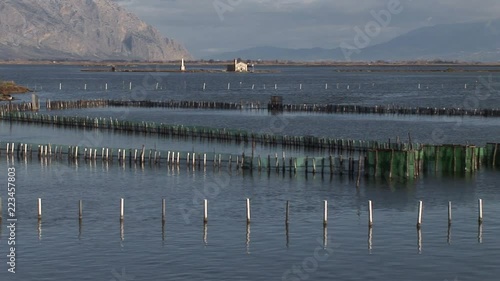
449, 235
80, 229
205, 233
419, 240
122, 230
163, 231
325, 236
287, 235
480, 233
370, 236
39, 228
248, 238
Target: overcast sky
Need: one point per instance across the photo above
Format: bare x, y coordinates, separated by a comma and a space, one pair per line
207, 27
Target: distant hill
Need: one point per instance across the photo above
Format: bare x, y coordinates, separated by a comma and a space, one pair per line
79, 29
478, 41
275, 53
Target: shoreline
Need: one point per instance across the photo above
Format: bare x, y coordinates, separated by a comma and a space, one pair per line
258, 63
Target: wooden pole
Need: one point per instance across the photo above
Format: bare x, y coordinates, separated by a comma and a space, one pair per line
449, 213
287, 212
205, 211
163, 210
420, 209
495, 155
325, 213
480, 206
80, 210
248, 210
370, 213
39, 208
122, 207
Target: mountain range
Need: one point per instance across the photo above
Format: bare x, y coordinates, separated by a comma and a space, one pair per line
79, 30
476, 41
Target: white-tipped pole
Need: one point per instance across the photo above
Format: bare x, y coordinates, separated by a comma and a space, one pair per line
325, 212
420, 209
85, 87
480, 206
122, 208
205, 211
248, 210
228, 86
204, 86
130, 86
106, 86
370, 213
39, 208
60, 86
326, 86
300, 86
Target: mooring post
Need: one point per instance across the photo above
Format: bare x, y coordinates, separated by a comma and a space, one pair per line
80, 210
39, 208
248, 210
122, 206
480, 206
163, 210
449, 213
325, 213
205, 211
420, 209
287, 212
370, 213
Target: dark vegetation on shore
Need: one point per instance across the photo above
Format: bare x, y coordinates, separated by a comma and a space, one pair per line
7, 88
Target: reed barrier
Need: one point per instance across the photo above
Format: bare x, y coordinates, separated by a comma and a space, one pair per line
377, 163
249, 105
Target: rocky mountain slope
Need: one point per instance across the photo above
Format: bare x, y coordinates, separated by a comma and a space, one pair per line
79, 29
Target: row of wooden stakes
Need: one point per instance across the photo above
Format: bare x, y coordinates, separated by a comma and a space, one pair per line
248, 212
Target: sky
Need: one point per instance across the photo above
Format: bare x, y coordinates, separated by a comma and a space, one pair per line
208, 27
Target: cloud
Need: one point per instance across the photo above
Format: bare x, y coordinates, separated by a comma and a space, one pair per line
292, 23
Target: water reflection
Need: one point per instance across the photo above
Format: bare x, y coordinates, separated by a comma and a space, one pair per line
325, 236
287, 235
248, 238
122, 231
419, 240
163, 231
80, 229
448, 240
370, 236
205, 233
39, 228
480, 233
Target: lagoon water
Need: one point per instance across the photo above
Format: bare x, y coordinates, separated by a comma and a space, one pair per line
59, 248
